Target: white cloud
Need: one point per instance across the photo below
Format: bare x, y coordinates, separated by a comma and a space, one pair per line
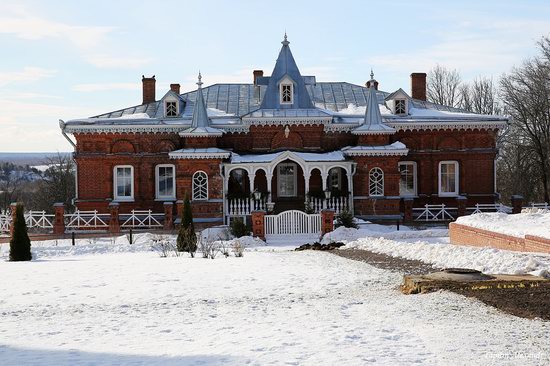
24, 24
28, 74
106, 61
95, 87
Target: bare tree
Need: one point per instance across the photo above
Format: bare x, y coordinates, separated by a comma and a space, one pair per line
58, 184
444, 86
526, 96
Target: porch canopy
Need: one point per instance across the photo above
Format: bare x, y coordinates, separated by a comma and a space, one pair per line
324, 162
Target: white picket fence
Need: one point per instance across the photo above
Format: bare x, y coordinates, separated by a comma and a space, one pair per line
489, 207
337, 204
142, 219
86, 220
5, 220
39, 219
544, 206
292, 222
434, 213
244, 206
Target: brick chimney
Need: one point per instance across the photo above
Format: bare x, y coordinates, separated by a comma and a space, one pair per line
148, 89
367, 84
175, 88
257, 74
418, 85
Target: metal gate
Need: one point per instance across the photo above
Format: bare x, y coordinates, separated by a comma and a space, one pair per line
292, 222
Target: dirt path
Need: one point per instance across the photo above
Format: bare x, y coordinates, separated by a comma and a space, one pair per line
526, 303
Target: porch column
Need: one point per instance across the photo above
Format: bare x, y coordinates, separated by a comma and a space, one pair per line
324, 177
307, 176
269, 178
350, 187
251, 179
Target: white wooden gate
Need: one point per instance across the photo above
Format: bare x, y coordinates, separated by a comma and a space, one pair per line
292, 223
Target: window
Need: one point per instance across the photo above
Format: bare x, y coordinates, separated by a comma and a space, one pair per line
166, 182
124, 183
286, 180
286, 93
400, 106
200, 186
334, 178
407, 180
237, 178
171, 109
448, 178
376, 182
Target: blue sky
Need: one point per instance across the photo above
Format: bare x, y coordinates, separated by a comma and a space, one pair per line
69, 59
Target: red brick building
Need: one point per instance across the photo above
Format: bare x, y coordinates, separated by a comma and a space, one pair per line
282, 142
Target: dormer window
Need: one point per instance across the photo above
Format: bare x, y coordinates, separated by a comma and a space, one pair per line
400, 106
287, 93
171, 109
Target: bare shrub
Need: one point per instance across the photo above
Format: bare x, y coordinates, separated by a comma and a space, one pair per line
164, 246
238, 248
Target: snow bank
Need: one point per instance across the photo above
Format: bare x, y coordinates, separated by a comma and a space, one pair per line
530, 222
344, 234
487, 260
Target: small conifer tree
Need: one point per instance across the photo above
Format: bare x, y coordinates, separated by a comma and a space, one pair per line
20, 244
187, 239
345, 219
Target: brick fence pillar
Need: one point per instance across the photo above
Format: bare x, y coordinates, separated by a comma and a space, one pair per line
258, 224
517, 204
114, 222
408, 208
13, 210
327, 221
461, 202
59, 220
168, 215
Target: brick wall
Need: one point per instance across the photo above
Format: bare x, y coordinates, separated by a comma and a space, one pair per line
467, 235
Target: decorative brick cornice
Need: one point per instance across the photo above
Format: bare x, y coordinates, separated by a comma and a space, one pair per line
105, 129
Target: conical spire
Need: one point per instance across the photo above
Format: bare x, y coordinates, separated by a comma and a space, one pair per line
372, 122
286, 67
372, 113
200, 116
200, 122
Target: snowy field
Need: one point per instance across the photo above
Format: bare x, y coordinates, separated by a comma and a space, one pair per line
106, 302
529, 222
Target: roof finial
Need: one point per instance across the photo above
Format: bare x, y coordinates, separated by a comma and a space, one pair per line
285, 41
199, 83
371, 74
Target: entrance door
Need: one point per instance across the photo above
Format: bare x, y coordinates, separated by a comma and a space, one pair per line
287, 182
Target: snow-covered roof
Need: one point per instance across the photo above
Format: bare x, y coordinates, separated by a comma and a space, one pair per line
397, 148
200, 153
307, 157
372, 122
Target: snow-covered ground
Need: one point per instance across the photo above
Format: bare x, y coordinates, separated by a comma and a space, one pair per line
108, 302
529, 222
432, 246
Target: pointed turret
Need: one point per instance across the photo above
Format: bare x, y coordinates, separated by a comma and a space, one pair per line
200, 125
286, 71
372, 122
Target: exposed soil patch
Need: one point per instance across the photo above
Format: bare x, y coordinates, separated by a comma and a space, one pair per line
533, 302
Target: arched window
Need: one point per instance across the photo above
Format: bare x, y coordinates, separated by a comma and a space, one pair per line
200, 186
376, 182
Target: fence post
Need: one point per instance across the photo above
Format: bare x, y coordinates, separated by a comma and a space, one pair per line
408, 207
13, 209
59, 220
168, 216
258, 224
114, 223
461, 205
327, 221
517, 204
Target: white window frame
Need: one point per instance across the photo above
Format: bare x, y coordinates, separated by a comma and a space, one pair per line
404, 105
415, 189
338, 171
115, 185
295, 180
457, 179
377, 192
158, 196
166, 108
281, 87
194, 196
